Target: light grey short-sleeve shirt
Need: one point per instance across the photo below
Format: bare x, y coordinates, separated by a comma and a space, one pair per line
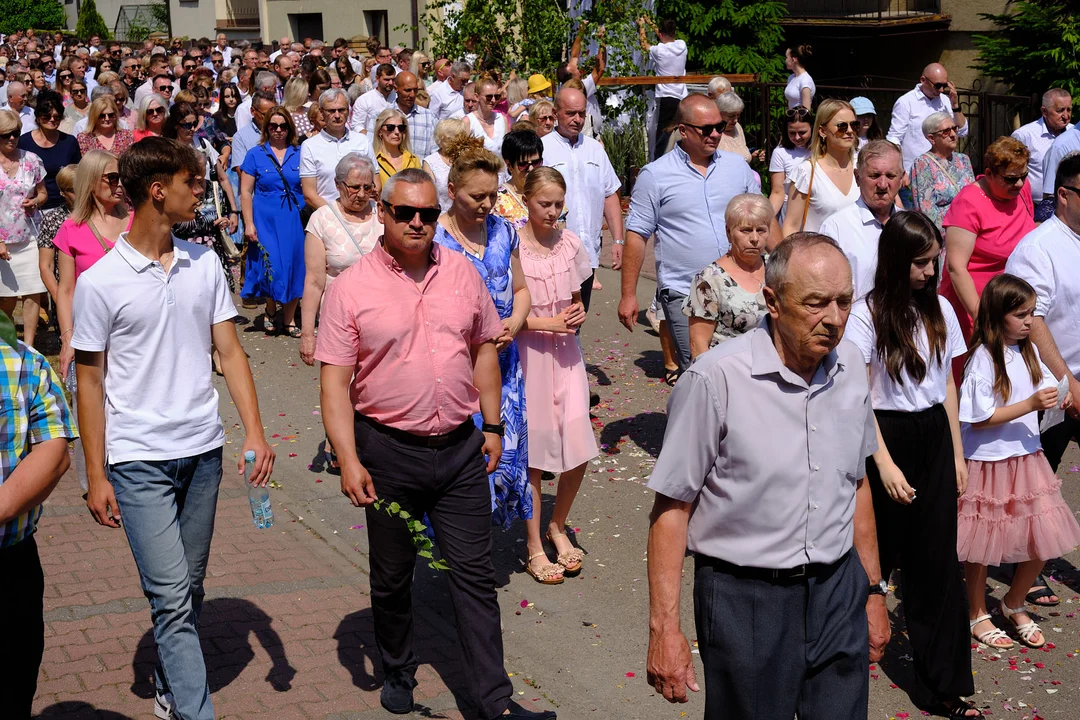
770, 463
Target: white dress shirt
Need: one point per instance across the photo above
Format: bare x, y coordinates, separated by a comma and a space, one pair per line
319, 157
446, 102
243, 113
856, 230
908, 114
669, 59
367, 108
1047, 257
26, 115
592, 105
226, 55
590, 179
1038, 139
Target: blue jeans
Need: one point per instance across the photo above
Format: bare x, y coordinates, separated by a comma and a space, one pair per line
167, 509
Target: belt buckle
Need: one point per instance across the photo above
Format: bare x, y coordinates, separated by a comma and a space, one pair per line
795, 572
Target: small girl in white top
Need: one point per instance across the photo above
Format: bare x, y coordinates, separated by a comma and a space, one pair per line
1012, 510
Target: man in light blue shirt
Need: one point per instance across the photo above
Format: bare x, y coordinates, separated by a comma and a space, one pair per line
681, 198
1066, 143
248, 136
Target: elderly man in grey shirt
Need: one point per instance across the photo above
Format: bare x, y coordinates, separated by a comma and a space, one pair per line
762, 477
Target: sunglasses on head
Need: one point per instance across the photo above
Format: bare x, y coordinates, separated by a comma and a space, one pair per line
112, 178
278, 126
855, 125
799, 112
406, 213
527, 165
391, 127
708, 130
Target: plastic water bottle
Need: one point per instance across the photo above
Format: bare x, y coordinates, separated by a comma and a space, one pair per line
258, 497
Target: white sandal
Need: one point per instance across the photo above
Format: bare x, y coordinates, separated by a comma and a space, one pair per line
990, 637
1027, 630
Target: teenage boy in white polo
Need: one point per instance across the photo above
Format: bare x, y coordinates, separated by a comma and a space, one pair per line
146, 318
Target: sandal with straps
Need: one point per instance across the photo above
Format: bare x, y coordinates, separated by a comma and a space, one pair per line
958, 708
990, 638
550, 574
1027, 630
571, 559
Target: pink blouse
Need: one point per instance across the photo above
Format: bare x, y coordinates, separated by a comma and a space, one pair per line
79, 242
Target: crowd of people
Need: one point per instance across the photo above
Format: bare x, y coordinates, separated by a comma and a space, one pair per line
438, 225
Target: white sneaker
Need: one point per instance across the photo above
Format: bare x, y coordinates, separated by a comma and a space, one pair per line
163, 706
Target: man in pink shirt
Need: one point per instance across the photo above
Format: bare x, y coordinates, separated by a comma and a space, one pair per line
408, 352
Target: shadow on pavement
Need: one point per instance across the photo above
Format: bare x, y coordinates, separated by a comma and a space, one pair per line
77, 710
651, 362
225, 627
645, 429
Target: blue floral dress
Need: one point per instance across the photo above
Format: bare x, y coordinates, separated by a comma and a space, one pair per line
511, 496
935, 182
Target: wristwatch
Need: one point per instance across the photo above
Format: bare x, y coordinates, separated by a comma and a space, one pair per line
499, 429
881, 588
956, 109
619, 242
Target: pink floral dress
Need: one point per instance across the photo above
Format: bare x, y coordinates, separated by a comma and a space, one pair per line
16, 227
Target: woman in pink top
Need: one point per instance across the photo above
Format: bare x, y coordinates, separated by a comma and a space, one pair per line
985, 222
561, 438
99, 215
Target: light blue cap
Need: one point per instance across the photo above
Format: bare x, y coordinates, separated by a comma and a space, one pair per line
862, 106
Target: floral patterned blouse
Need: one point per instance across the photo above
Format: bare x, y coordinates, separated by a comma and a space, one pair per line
714, 295
511, 207
935, 182
122, 140
16, 227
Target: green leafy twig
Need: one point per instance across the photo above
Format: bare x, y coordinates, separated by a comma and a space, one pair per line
420, 540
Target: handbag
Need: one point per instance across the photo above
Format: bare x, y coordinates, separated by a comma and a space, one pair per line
809, 190
333, 208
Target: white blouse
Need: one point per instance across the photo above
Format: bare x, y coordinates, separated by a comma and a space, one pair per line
493, 143
825, 197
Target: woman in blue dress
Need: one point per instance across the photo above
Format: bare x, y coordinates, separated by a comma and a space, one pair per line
491, 243
270, 199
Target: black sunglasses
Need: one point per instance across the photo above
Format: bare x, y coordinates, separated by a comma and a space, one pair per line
277, 126
492, 97
52, 117
155, 111
708, 130
855, 125
391, 127
165, 89
64, 76
406, 213
188, 125
112, 178
1014, 179
107, 116
941, 86
81, 91
13, 135
527, 165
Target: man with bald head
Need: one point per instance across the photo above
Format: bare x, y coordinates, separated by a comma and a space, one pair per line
681, 198
934, 93
592, 187
419, 119
16, 96
762, 476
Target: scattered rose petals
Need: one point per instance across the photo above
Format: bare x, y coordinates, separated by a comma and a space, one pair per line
524, 603
629, 674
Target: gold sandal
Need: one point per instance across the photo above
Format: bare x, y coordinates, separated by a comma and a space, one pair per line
571, 560
550, 574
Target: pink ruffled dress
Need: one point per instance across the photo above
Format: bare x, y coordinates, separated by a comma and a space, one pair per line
1012, 510
556, 384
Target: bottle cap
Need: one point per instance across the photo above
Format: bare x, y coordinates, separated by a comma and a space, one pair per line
249, 456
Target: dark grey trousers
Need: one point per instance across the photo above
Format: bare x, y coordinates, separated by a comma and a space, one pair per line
678, 325
774, 650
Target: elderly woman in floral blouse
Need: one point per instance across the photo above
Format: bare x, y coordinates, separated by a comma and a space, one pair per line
938, 175
725, 298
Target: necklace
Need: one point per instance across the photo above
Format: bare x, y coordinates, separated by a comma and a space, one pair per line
470, 247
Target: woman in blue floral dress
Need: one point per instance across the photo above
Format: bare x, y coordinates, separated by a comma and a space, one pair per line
491, 243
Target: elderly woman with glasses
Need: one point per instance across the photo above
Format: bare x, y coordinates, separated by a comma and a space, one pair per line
985, 222
542, 115
392, 151
153, 111
523, 152
56, 149
103, 131
940, 174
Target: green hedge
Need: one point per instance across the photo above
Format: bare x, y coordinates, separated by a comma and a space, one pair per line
42, 15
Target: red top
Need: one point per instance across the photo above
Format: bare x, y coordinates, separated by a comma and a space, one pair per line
410, 345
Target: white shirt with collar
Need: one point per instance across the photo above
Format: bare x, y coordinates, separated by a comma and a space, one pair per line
590, 179
367, 108
446, 102
856, 230
320, 155
1038, 139
226, 55
154, 327
243, 113
26, 115
669, 58
1047, 258
908, 114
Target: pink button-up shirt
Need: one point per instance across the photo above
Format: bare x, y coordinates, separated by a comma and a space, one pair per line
411, 345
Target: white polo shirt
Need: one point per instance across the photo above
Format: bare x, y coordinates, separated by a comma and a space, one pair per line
367, 107
856, 231
154, 328
319, 157
669, 59
1047, 257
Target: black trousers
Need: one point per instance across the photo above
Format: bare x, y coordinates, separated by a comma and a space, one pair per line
920, 539
450, 485
22, 642
666, 108
586, 291
774, 649
1056, 439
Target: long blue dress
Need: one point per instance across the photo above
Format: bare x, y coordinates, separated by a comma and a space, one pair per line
511, 496
275, 268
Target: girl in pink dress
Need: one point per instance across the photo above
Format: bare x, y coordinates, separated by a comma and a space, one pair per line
1012, 510
561, 439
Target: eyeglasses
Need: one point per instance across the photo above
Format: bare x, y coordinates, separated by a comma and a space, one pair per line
13, 135
855, 125
283, 127
189, 66
107, 116
491, 98
1013, 179
335, 111
946, 131
527, 165
51, 117
155, 111
165, 89
406, 213
78, 92
940, 87
64, 76
546, 119
188, 125
391, 127
354, 189
708, 130
112, 178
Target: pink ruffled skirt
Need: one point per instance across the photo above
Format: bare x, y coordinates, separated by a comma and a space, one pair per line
1013, 511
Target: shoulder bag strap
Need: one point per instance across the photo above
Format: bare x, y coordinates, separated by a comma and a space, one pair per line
97, 236
333, 208
284, 182
809, 190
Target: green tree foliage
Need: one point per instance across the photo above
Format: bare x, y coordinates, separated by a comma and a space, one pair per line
1036, 46
90, 22
36, 14
731, 36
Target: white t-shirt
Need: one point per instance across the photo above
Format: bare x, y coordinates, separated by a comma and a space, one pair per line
785, 161
825, 197
885, 394
793, 89
669, 59
978, 402
154, 329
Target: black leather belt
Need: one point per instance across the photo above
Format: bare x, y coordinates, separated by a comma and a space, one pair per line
770, 574
435, 442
